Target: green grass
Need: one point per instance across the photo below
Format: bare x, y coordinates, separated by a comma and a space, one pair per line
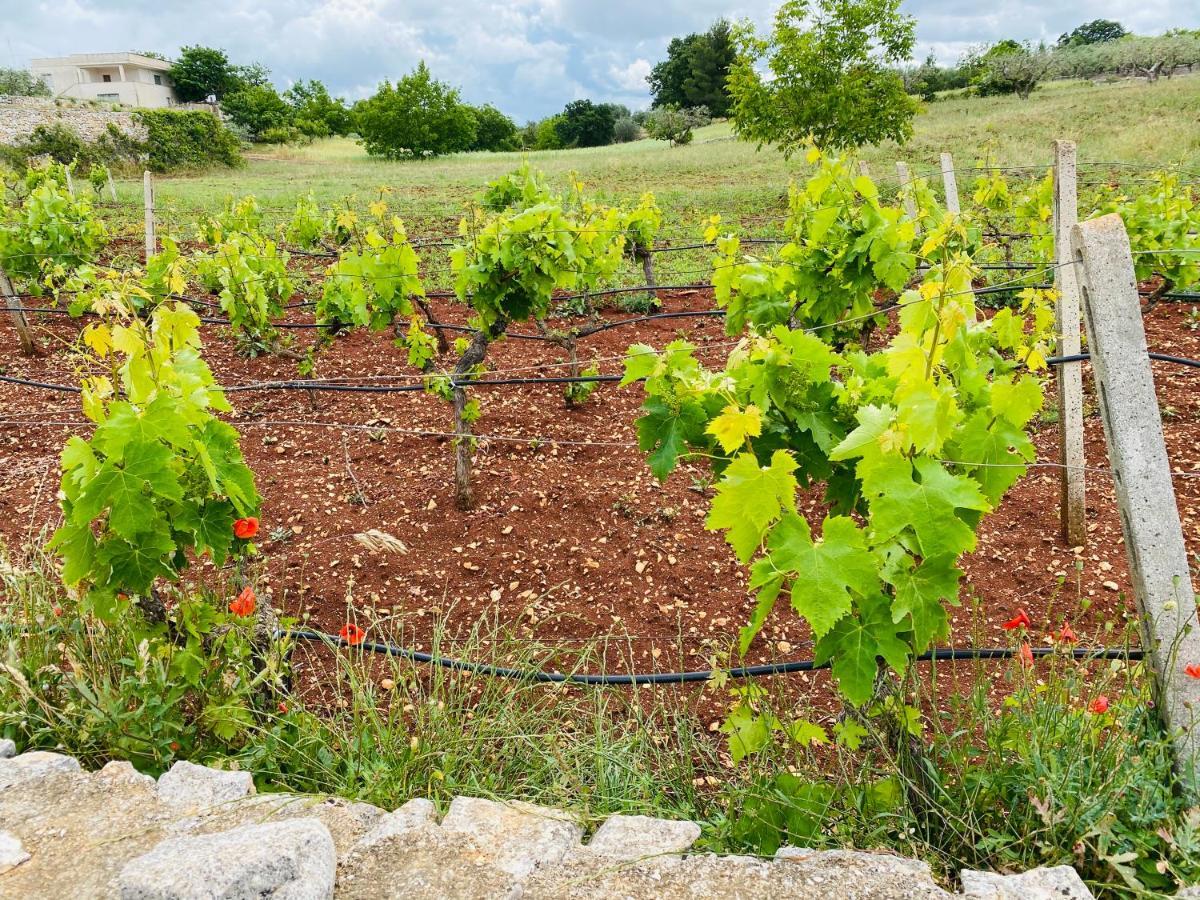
1129, 122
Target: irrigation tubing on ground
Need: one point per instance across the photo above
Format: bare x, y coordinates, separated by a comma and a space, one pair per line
940, 654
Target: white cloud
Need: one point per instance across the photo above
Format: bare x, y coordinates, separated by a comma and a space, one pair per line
632, 77
528, 57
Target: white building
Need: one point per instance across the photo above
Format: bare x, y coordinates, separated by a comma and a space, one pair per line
126, 78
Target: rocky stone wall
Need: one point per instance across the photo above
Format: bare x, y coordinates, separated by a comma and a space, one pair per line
20, 115
204, 833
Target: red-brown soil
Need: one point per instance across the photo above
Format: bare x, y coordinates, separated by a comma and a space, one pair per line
570, 543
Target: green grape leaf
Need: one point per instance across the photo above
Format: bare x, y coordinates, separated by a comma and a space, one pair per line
829, 573
666, 432
998, 449
750, 497
854, 644
927, 507
921, 594
133, 565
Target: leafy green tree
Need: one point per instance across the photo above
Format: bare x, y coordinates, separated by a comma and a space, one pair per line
201, 71
545, 134
19, 83
669, 123
625, 129
257, 108
696, 70
418, 116
833, 80
1011, 68
315, 112
586, 124
1097, 31
493, 129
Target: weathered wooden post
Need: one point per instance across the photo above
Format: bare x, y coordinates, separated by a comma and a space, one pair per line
906, 194
20, 323
1158, 562
148, 197
950, 183
1072, 482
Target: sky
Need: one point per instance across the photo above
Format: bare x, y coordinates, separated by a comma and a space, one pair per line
527, 57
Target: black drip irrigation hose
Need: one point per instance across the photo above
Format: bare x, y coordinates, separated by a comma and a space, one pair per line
940, 654
300, 385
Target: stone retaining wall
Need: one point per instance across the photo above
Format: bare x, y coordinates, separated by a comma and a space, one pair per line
200, 832
20, 115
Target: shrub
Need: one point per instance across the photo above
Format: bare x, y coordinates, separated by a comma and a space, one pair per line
258, 108
20, 83
625, 129
187, 139
418, 116
668, 123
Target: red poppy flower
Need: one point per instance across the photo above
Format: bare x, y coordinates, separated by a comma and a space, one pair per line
1099, 705
57, 611
1026, 655
1067, 634
1020, 620
174, 746
283, 707
352, 634
245, 528
1192, 670
243, 604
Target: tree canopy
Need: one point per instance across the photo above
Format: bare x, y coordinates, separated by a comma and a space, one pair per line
315, 112
418, 116
1097, 31
586, 124
834, 80
201, 71
20, 83
696, 70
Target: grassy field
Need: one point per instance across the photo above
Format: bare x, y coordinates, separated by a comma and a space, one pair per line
1129, 122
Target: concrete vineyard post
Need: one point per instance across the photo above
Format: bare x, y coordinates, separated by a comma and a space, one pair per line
112, 188
910, 201
1072, 481
148, 196
13, 302
70, 180
1158, 562
950, 183
864, 169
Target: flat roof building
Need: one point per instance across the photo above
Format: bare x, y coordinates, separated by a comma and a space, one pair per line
129, 79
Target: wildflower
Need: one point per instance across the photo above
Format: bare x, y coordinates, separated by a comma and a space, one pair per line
57, 611
1026, 655
1067, 634
283, 707
174, 746
1098, 706
1020, 620
245, 528
1192, 670
243, 604
352, 634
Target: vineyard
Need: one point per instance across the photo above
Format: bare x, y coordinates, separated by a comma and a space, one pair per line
820, 437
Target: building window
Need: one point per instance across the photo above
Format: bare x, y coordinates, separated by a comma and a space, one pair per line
109, 98
106, 78
158, 79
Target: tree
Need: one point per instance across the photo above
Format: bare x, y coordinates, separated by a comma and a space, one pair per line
19, 83
315, 112
625, 129
1097, 31
833, 77
201, 71
1011, 68
545, 134
257, 108
419, 116
669, 123
586, 124
696, 70
494, 130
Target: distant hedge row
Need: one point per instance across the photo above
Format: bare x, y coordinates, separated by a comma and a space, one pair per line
175, 140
